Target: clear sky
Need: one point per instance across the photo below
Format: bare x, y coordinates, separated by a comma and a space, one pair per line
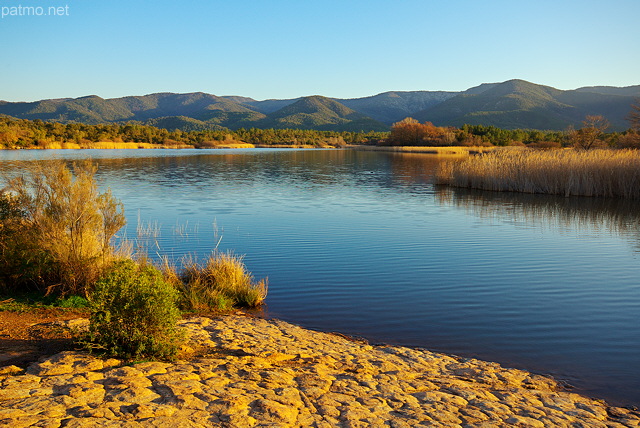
284, 49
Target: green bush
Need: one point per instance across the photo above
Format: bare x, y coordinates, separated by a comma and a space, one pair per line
134, 314
75, 302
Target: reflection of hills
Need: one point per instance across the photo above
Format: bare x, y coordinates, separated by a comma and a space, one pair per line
387, 174
615, 216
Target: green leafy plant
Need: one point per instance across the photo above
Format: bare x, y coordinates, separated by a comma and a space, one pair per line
134, 314
76, 302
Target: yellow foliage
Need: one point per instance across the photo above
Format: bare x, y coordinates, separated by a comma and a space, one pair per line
67, 225
560, 172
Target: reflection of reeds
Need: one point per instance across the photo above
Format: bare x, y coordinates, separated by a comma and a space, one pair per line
560, 172
182, 230
615, 216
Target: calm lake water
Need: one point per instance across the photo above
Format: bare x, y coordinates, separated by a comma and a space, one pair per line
364, 244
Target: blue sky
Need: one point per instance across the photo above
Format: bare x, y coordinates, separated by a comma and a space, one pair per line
284, 49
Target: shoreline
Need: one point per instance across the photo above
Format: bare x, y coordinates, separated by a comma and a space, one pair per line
149, 146
435, 150
248, 371
431, 150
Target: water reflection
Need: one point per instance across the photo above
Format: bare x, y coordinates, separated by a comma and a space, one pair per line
364, 244
615, 216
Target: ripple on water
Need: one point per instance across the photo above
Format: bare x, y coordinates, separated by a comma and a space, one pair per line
362, 243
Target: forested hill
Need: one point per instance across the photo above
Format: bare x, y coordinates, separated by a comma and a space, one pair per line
512, 104
519, 104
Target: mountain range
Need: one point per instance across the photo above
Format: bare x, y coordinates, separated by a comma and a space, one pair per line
510, 105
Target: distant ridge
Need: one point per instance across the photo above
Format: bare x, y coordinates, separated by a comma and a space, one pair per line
521, 104
511, 104
630, 91
317, 112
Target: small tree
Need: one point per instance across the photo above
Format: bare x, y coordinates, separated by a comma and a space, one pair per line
410, 132
589, 136
64, 227
407, 132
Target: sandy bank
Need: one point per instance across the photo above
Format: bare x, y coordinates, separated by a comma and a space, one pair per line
254, 372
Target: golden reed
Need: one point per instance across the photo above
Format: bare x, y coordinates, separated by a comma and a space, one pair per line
611, 173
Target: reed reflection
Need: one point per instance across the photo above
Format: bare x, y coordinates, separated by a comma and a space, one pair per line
619, 217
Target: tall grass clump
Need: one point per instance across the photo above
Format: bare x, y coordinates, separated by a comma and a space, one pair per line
610, 173
134, 313
56, 229
220, 283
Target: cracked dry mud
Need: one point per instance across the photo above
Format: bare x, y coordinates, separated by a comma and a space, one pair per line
254, 372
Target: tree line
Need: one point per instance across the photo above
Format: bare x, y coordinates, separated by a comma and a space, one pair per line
21, 133
592, 134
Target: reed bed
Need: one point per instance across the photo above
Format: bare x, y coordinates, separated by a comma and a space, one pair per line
609, 173
431, 150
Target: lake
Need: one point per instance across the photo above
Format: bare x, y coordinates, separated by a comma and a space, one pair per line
364, 244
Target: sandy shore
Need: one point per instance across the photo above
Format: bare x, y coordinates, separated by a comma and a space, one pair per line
246, 372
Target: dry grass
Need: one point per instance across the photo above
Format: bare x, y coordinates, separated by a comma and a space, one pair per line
111, 145
57, 146
611, 173
292, 146
220, 283
435, 150
61, 227
228, 143
238, 145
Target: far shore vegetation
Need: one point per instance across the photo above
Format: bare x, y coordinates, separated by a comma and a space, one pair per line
57, 248
38, 134
593, 164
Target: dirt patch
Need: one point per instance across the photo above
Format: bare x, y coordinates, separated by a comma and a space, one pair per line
27, 336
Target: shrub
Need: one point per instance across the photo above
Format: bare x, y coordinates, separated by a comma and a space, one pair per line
71, 302
57, 229
134, 314
545, 145
590, 136
410, 132
17, 251
220, 283
629, 140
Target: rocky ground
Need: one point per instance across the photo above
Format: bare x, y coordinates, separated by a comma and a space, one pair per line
246, 372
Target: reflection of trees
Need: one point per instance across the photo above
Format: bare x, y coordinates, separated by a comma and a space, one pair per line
395, 173
297, 168
416, 168
609, 215
400, 172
